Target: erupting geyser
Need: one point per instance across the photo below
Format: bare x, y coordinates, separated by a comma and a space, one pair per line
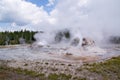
62, 37
67, 43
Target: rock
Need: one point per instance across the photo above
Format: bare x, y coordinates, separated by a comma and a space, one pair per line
68, 54
87, 42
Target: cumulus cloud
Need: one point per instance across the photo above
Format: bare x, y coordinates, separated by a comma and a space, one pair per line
21, 12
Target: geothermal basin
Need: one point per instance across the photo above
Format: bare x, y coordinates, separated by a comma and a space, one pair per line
64, 45
68, 54
55, 59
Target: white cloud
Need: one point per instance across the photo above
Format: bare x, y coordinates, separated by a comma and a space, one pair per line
50, 2
21, 12
92, 17
1, 29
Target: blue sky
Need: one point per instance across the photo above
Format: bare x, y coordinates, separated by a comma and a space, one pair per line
43, 3
38, 2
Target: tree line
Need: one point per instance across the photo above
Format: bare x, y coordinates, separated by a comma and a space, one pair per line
17, 37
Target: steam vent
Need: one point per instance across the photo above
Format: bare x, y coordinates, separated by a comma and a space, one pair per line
67, 44
67, 36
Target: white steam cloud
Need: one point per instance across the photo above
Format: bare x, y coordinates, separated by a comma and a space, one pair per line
97, 19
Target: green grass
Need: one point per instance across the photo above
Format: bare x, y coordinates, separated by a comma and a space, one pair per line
59, 77
77, 78
32, 74
18, 71
110, 69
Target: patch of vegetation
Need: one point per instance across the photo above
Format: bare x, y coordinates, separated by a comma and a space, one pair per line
53, 77
76, 78
59, 77
109, 70
6, 71
16, 37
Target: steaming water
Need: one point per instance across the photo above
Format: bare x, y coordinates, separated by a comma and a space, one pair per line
25, 52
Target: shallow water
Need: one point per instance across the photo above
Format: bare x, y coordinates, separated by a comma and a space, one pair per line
24, 52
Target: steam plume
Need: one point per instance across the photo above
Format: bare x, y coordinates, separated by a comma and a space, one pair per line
97, 19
